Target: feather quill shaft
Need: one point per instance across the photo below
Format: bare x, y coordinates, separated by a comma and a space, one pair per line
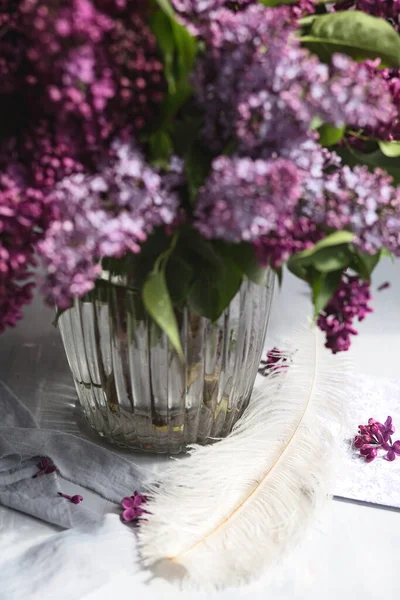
223, 515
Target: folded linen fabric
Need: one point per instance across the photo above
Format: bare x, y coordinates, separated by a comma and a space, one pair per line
23, 445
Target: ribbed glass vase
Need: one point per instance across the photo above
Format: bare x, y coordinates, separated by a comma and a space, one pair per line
134, 389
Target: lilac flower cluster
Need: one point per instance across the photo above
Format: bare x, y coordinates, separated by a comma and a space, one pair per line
350, 302
107, 214
81, 70
389, 10
363, 202
377, 436
74, 75
257, 85
23, 214
242, 198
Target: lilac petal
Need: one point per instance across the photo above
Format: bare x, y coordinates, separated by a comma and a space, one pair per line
386, 446
396, 447
129, 514
366, 450
128, 503
370, 458
391, 455
388, 423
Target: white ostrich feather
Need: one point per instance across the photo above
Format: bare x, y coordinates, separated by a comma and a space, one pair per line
230, 510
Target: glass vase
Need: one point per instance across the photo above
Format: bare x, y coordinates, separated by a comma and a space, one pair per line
134, 389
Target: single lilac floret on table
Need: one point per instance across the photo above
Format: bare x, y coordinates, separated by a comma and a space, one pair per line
133, 508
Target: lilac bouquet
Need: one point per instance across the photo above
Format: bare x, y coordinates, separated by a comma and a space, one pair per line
187, 144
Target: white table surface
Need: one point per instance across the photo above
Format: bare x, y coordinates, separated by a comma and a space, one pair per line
354, 551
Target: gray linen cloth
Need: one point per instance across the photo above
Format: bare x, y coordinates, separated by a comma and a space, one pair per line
23, 445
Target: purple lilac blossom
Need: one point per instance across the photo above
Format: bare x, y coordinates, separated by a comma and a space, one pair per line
291, 236
362, 202
257, 83
23, 217
133, 508
107, 214
376, 436
350, 302
242, 198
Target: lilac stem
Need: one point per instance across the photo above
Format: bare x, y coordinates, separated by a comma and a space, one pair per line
39, 473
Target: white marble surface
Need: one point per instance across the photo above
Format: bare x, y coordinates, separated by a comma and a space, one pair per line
352, 551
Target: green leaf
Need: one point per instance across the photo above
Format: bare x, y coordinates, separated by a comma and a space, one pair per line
330, 259
277, 2
390, 149
364, 264
186, 47
161, 26
158, 303
330, 135
198, 165
334, 239
323, 287
357, 34
166, 7
214, 288
279, 274
316, 123
244, 257
229, 284
297, 268
179, 275
203, 297
160, 148
179, 50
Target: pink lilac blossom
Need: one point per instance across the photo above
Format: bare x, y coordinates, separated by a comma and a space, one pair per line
23, 217
257, 84
350, 302
107, 214
242, 198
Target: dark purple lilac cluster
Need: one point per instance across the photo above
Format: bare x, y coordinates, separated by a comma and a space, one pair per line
74, 75
23, 215
350, 302
377, 436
